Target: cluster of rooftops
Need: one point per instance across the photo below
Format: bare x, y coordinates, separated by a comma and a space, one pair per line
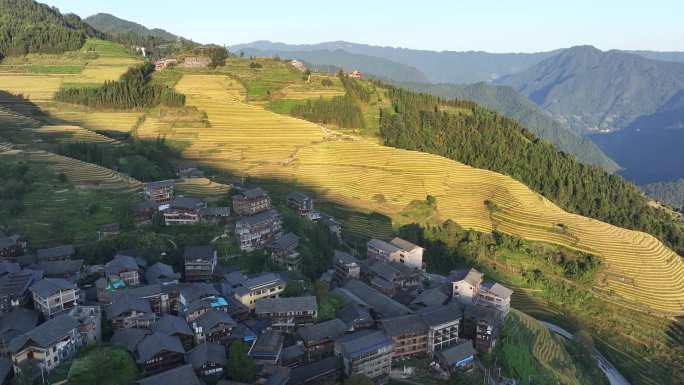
178, 325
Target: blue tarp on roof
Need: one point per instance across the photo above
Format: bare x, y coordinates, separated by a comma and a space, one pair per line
219, 301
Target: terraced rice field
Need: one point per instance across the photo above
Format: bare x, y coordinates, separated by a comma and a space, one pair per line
547, 349
72, 134
36, 88
82, 174
312, 90
352, 171
202, 187
93, 120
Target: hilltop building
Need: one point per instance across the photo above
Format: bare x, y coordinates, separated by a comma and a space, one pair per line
160, 192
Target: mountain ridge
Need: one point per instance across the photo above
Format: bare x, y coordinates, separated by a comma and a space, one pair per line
111, 24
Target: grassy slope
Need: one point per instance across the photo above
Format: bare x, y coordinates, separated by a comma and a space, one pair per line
528, 351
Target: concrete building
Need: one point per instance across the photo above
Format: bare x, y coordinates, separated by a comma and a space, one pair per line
410, 335
367, 352
266, 285
346, 266
252, 201
397, 250
160, 192
258, 230
286, 313
89, 323
444, 323
466, 285
495, 295
46, 345
200, 262
53, 296
284, 252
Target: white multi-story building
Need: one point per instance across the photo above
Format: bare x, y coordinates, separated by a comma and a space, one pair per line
397, 250
53, 296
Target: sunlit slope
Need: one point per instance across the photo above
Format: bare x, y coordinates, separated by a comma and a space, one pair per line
245, 138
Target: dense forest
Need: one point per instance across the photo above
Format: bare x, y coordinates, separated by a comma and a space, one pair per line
340, 111
484, 139
17, 180
145, 160
30, 27
131, 91
671, 193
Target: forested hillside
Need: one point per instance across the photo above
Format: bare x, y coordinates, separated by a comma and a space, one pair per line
28, 27
132, 91
113, 25
515, 106
466, 132
671, 193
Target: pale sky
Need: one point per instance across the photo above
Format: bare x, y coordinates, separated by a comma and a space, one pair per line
456, 25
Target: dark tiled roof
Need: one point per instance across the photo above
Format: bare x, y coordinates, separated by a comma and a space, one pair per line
171, 324
297, 196
129, 338
6, 242
439, 315
322, 331
197, 290
155, 343
284, 305
497, 289
216, 211
458, 352
382, 245
404, 244
49, 286
362, 342
145, 205
47, 333
262, 279
269, 342
471, 276
287, 241
292, 352
5, 368
396, 326
345, 258
478, 313
307, 373
121, 262
254, 193
431, 297
56, 252
187, 203
71, 266
212, 318
159, 272
159, 184
16, 284
18, 321
205, 252
353, 312
382, 304
109, 228
207, 353
9, 267
127, 302
235, 278
258, 218
182, 375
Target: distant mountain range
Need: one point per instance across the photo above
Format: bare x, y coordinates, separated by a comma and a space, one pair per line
593, 90
377, 66
113, 25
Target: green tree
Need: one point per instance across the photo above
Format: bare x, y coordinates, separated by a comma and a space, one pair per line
241, 366
218, 56
103, 366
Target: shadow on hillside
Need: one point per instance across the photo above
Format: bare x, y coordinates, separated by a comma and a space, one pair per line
20, 105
